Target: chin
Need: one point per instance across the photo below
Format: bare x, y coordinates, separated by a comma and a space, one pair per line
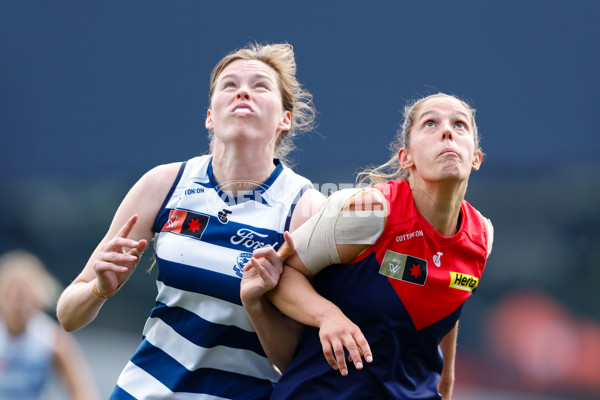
454, 177
454, 171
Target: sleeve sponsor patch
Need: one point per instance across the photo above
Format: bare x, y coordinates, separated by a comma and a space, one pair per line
404, 267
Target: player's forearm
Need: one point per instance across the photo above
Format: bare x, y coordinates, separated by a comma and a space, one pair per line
296, 297
78, 306
278, 334
448, 348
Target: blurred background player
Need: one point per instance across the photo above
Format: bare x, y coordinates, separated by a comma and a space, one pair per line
33, 347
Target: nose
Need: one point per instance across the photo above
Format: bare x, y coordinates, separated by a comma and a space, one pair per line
446, 132
243, 93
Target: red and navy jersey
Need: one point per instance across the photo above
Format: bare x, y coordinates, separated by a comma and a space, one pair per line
405, 293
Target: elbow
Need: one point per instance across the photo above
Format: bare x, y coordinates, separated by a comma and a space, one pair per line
281, 363
67, 325
66, 322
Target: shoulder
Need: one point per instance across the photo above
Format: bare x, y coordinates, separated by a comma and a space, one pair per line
308, 205
160, 177
489, 228
312, 196
367, 199
145, 199
290, 180
397, 195
163, 171
166, 173
478, 224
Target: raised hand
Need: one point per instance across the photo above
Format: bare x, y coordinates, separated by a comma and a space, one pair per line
262, 272
117, 259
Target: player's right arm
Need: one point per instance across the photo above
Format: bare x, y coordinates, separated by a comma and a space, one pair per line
277, 333
114, 259
296, 297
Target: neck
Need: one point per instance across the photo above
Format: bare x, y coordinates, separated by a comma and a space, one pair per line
239, 168
439, 203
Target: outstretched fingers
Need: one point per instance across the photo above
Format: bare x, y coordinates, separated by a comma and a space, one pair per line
120, 254
328, 352
117, 258
138, 250
126, 229
335, 356
362, 349
121, 243
345, 336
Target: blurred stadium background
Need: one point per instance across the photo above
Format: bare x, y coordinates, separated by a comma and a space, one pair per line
92, 95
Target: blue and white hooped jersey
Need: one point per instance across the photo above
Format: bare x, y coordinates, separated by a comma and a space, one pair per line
27, 360
198, 341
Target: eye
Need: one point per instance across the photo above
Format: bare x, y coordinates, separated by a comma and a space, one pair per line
228, 84
262, 85
429, 124
461, 125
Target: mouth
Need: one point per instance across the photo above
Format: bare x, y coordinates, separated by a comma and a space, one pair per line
449, 152
242, 109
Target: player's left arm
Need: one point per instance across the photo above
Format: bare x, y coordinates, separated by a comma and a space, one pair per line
448, 347
277, 333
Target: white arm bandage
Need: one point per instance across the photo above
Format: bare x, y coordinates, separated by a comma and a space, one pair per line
315, 241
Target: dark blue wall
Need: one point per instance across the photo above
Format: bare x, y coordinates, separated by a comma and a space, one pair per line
93, 94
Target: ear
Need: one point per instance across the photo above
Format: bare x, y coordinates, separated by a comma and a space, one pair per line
209, 121
286, 122
405, 159
477, 160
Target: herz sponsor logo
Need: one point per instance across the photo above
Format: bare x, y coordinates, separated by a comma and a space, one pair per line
463, 281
